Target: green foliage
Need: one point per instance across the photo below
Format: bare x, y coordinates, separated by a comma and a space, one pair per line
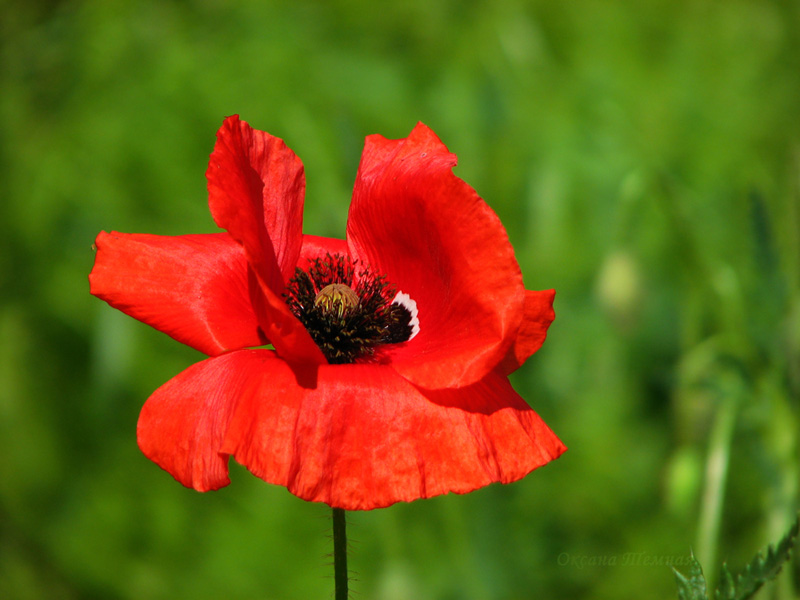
763, 568
693, 586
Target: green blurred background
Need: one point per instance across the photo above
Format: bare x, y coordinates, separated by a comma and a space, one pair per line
644, 157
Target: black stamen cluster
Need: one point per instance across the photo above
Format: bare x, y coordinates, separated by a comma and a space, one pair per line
351, 332
398, 327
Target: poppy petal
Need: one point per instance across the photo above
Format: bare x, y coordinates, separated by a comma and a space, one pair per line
430, 233
538, 315
315, 246
194, 288
360, 437
182, 425
285, 332
255, 188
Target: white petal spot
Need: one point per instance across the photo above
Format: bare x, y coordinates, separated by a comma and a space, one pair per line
410, 305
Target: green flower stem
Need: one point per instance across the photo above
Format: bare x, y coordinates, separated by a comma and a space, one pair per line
719, 450
340, 553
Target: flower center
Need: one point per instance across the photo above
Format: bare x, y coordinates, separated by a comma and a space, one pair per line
336, 299
349, 313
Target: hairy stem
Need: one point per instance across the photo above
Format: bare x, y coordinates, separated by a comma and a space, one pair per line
340, 553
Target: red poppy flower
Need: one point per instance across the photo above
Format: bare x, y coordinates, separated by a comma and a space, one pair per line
387, 379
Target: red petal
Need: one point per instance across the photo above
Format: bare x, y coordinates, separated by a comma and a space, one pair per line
360, 437
256, 187
315, 246
286, 333
192, 287
539, 314
437, 240
182, 425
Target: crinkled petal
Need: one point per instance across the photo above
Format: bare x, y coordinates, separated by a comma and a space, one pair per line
431, 234
255, 187
538, 315
360, 437
286, 333
182, 425
192, 287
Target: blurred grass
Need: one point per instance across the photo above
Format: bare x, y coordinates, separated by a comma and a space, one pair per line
644, 157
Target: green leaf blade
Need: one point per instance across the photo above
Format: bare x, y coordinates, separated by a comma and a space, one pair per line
765, 567
692, 587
